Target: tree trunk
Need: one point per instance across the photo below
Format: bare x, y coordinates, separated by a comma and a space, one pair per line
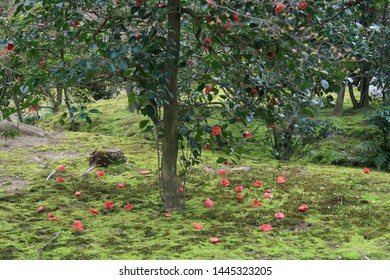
133, 105
365, 86
171, 118
355, 103
18, 109
338, 109
67, 102
58, 100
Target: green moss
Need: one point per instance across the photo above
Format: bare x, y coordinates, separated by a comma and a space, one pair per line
347, 216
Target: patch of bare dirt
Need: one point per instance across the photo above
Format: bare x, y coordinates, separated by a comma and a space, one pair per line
13, 185
227, 169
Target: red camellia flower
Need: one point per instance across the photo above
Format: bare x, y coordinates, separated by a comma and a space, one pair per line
167, 215
238, 119
258, 183
94, 211
303, 207
270, 54
77, 193
207, 41
366, 170
140, 2
226, 162
54, 219
208, 89
74, 23
280, 7
59, 179
210, 3
50, 215
246, 134
281, 179
197, 226
190, 61
222, 172
41, 64
77, 225
207, 147
265, 227
256, 203
40, 209
216, 130
239, 196
109, 204
271, 126
41, 25
279, 215
121, 185
274, 101
100, 173
254, 92
236, 17
32, 109
267, 195
228, 26
10, 47
136, 36
145, 172
302, 5
215, 240
128, 206
61, 168
225, 182
208, 203
239, 189
180, 190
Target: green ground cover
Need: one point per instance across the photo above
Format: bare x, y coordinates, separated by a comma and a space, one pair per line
348, 215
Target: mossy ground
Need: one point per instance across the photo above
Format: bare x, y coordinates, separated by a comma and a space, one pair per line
348, 216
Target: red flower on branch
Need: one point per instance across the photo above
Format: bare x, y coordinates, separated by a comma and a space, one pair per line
216, 130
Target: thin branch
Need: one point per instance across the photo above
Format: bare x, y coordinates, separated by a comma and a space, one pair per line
47, 243
51, 174
88, 170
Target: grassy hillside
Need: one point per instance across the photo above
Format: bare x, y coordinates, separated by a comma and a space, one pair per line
347, 216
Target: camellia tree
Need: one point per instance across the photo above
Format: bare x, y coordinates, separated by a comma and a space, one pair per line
200, 66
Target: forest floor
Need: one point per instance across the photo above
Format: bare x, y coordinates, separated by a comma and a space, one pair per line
347, 215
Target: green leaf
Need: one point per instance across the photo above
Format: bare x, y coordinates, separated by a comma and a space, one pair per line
123, 65
73, 110
111, 67
88, 119
94, 111
143, 123
220, 160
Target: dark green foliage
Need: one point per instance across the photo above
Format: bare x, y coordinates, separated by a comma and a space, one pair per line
299, 137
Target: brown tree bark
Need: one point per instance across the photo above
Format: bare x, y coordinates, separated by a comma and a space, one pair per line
133, 106
355, 103
365, 85
171, 196
338, 109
